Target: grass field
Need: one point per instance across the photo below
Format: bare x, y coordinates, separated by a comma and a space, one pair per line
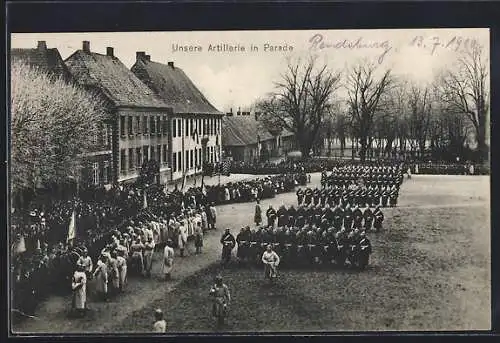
430, 270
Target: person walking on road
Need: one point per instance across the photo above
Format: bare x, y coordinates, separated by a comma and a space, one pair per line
168, 260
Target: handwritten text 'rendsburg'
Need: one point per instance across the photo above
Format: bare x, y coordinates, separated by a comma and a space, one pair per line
318, 42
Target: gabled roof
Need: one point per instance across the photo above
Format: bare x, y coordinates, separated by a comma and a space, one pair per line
113, 78
243, 130
48, 60
173, 86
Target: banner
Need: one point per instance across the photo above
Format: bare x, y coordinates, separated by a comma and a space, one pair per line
145, 201
72, 227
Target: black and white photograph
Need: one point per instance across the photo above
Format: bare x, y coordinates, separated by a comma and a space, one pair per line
257, 181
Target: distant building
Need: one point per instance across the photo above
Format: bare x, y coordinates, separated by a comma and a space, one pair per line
139, 119
194, 119
246, 139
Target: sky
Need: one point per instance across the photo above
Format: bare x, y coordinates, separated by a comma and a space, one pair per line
236, 79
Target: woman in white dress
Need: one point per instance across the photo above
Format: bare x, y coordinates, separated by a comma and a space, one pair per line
101, 277
121, 264
79, 287
168, 260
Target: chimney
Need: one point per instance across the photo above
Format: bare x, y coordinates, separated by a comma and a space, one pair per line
148, 57
171, 64
42, 45
86, 46
140, 56
110, 51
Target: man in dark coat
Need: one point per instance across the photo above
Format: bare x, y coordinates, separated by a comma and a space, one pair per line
271, 216
379, 218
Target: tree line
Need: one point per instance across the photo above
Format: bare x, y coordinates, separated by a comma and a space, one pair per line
384, 112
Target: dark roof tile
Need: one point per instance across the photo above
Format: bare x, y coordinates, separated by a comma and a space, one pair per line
243, 130
113, 78
48, 60
172, 85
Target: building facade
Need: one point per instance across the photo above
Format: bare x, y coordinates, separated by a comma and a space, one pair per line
138, 126
195, 126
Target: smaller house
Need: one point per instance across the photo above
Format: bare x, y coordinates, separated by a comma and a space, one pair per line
245, 139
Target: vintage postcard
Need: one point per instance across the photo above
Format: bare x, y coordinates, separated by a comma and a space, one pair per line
250, 181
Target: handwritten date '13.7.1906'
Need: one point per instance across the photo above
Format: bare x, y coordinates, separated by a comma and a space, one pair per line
457, 43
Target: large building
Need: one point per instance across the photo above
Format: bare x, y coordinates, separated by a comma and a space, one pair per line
195, 125
97, 163
138, 124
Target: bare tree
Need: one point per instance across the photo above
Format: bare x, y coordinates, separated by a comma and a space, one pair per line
419, 103
365, 90
53, 123
302, 100
465, 90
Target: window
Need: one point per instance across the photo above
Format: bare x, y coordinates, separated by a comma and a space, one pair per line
145, 153
138, 124
131, 159
198, 127
153, 153
179, 128
205, 127
158, 155
186, 124
174, 128
152, 126
174, 162
145, 125
130, 125
179, 161
123, 161
186, 165
218, 126
107, 135
165, 154
212, 154
191, 159
196, 158
138, 155
165, 125
95, 173
122, 125
105, 174
191, 125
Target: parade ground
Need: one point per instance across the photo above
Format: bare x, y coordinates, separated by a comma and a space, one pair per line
430, 270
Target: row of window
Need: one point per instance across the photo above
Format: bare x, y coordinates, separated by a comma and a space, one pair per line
194, 158
99, 175
146, 124
102, 136
207, 126
132, 158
